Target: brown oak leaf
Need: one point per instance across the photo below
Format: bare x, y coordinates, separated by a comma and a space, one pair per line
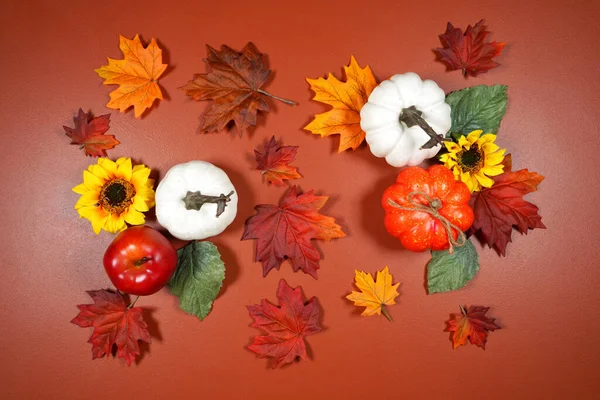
235, 87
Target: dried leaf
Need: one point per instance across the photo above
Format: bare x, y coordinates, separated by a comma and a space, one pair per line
500, 208
114, 324
136, 74
346, 99
374, 295
471, 324
285, 231
273, 162
234, 85
469, 52
286, 325
89, 134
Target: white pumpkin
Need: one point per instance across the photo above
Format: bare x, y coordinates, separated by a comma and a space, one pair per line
195, 200
380, 117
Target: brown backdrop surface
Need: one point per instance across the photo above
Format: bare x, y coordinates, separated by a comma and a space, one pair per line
544, 293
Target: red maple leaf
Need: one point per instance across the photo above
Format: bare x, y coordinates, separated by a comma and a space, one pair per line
89, 134
235, 86
273, 162
500, 208
469, 52
285, 231
286, 325
113, 323
471, 324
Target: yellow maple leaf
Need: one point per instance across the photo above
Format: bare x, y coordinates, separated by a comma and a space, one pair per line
136, 75
374, 295
347, 99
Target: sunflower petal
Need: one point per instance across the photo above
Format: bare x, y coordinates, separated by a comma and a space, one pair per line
452, 147
139, 177
494, 158
474, 136
80, 189
493, 170
140, 204
146, 193
124, 169
484, 180
115, 223
134, 217
91, 181
96, 215
489, 147
87, 199
488, 138
109, 166
100, 172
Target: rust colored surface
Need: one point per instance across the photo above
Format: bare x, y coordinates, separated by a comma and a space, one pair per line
545, 293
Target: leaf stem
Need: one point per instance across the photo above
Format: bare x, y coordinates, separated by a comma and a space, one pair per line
462, 310
385, 312
133, 302
286, 101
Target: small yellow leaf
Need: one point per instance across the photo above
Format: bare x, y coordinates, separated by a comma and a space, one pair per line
136, 75
374, 295
347, 99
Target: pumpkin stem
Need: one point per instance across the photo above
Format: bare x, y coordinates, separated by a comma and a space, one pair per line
195, 201
411, 117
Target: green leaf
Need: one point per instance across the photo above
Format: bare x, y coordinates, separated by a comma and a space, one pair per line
198, 277
478, 107
446, 272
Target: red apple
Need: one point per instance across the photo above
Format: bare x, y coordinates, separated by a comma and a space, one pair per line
140, 261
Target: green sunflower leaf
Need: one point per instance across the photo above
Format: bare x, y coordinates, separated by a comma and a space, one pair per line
447, 272
478, 107
198, 277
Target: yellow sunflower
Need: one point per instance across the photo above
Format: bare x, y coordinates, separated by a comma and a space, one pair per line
474, 159
113, 193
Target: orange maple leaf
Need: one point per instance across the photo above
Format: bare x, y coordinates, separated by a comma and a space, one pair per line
136, 75
273, 162
374, 295
347, 99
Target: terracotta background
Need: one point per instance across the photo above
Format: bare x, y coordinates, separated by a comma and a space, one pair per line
544, 293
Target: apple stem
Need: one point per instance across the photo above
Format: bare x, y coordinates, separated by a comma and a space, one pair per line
133, 302
142, 261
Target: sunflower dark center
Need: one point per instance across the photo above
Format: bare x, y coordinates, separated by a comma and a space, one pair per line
116, 195
471, 160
